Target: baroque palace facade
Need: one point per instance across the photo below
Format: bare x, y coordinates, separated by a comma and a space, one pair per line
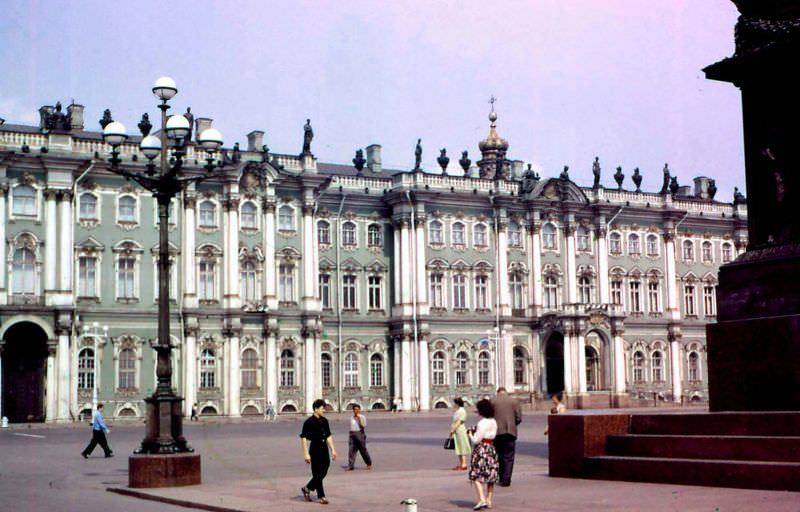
294, 279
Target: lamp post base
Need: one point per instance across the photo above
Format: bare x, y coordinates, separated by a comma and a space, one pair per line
164, 426
156, 470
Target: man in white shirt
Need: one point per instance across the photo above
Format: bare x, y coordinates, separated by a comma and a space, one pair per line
358, 439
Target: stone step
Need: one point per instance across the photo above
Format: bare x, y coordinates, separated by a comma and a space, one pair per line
783, 476
718, 424
759, 448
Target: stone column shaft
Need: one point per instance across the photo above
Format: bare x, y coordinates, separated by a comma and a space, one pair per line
50, 244
405, 265
424, 376
620, 373
502, 270
269, 258
233, 376
670, 278
568, 364
602, 267
396, 267
189, 372
232, 297
309, 365
536, 270
51, 413
272, 371
406, 376
188, 250
63, 373
66, 247
675, 366
572, 278
419, 270
582, 388
3, 291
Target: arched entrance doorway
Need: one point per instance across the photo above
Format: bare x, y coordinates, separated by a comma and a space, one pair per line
554, 363
598, 362
24, 364
593, 382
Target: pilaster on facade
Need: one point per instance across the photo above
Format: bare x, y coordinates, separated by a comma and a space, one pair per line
188, 248
601, 247
232, 297
51, 402
670, 272
676, 358
423, 365
268, 206
310, 279
66, 247
232, 332
535, 234
571, 268
190, 361
51, 260
3, 193
64, 388
501, 221
312, 328
271, 374
419, 250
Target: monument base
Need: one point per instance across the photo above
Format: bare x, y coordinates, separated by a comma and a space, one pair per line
156, 470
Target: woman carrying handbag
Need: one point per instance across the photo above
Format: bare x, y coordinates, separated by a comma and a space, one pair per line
458, 435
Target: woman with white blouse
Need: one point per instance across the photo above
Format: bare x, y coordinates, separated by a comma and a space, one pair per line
484, 467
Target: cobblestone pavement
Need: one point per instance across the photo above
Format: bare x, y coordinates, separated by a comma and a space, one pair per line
251, 465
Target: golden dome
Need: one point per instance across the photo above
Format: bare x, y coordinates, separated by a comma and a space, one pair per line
493, 142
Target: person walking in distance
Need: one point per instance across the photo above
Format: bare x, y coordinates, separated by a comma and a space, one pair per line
194, 416
269, 412
508, 415
99, 430
358, 439
316, 439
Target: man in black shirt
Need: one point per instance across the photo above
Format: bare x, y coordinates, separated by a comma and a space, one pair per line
316, 439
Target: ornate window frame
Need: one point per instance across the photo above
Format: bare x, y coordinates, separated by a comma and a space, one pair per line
480, 229
375, 241
657, 245
286, 211
134, 343
463, 230
440, 242
89, 248
323, 241
255, 258
90, 222
615, 237
212, 200
443, 371
256, 226
128, 249
208, 253
250, 343
128, 224
550, 244
27, 180
30, 242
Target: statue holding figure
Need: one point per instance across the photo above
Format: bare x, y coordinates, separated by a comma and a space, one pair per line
308, 136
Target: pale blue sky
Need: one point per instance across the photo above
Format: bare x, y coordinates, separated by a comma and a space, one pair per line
620, 79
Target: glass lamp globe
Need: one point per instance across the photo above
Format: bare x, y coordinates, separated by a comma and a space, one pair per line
210, 139
178, 127
150, 146
114, 133
165, 88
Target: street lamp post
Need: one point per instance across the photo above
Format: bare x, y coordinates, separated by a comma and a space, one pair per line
164, 421
99, 337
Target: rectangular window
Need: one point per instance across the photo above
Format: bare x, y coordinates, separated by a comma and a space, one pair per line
652, 245
459, 291
583, 240
481, 292
87, 276
709, 300
286, 283
654, 296
438, 369
206, 289
688, 300
727, 253
480, 236
374, 292
437, 295
325, 290
636, 296
248, 281
615, 244
516, 291
126, 278
349, 292
616, 292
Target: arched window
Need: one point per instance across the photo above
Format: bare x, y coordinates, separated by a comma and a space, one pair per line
374, 235
86, 369
286, 218
248, 281
349, 234
638, 366
287, 368
615, 243
479, 235
657, 366
550, 292
584, 239
592, 368
652, 245
634, 245
323, 232
208, 214
688, 250
458, 233
249, 215
126, 209
208, 369
435, 232
351, 370
438, 369
549, 236
88, 206
708, 252
23, 271
484, 366
249, 368
127, 369
585, 290
462, 369
727, 253
519, 366
514, 235
326, 365
515, 287
376, 370
24, 198
694, 367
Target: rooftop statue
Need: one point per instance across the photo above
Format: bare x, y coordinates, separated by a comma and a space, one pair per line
308, 136
596, 172
637, 179
57, 120
359, 161
465, 162
665, 184
443, 160
145, 125
106, 119
418, 155
529, 180
565, 173
619, 177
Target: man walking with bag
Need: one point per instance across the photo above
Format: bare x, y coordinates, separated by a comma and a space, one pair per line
358, 439
508, 415
99, 430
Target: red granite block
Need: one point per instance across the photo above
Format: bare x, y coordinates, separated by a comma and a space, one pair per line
174, 470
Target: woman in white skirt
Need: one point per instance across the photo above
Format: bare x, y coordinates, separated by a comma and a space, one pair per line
484, 467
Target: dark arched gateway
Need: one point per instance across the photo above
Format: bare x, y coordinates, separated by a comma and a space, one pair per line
24, 366
554, 363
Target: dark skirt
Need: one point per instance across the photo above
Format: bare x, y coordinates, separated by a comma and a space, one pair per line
483, 465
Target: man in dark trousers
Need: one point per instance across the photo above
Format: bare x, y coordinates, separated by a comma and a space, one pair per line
508, 415
99, 430
358, 439
316, 439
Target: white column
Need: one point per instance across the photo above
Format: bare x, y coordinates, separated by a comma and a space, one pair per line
572, 278
405, 264
309, 365
670, 277
507, 369
581, 362
269, 257
189, 369
233, 374
620, 373
272, 370
232, 297
419, 267
601, 247
396, 264
3, 294
424, 376
536, 268
568, 365
66, 246
502, 269
188, 249
676, 366
50, 244
309, 272
397, 372
63, 376
405, 363
51, 383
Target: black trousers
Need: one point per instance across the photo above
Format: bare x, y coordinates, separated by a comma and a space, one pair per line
358, 444
98, 437
320, 462
505, 444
